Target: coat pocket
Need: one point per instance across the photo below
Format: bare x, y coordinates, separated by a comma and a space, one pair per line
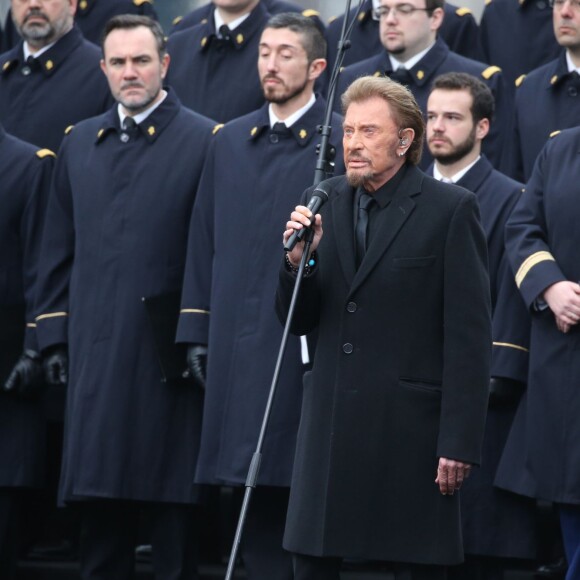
431, 387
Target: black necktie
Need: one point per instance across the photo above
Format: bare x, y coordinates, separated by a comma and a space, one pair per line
362, 224
279, 131
130, 126
225, 34
402, 76
30, 65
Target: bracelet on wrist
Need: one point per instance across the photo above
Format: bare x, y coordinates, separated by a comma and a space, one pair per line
307, 268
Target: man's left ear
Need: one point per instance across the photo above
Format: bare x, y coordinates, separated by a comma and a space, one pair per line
165, 65
482, 128
406, 137
316, 68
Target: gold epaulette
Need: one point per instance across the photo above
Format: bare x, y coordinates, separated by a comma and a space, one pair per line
42, 153
490, 71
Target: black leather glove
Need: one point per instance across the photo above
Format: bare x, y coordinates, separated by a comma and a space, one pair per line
504, 392
197, 363
56, 365
25, 379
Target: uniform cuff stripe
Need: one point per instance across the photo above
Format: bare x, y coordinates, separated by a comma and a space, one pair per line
51, 315
194, 311
509, 345
530, 262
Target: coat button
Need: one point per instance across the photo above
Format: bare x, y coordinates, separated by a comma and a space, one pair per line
351, 307
347, 348
573, 91
274, 138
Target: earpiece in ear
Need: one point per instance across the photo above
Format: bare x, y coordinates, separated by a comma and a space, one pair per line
403, 142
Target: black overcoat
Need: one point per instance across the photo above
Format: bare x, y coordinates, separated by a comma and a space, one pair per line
400, 376
116, 231
24, 182
230, 281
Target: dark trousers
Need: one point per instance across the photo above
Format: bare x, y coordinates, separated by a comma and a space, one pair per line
9, 506
314, 568
570, 522
261, 547
109, 531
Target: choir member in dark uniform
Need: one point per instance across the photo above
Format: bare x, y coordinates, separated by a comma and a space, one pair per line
92, 15
517, 36
116, 232
257, 169
413, 55
213, 65
496, 524
51, 79
459, 31
541, 238
203, 13
25, 173
547, 99
394, 408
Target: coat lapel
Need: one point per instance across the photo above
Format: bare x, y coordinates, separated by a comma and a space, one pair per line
391, 221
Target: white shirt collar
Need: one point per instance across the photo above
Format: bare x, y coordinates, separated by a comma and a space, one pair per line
454, 178
571, 66
144, 114
27, 51
290, 120
219, 21
411, 62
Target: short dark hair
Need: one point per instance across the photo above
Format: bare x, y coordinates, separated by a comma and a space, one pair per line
313, 40
483, 105
432, 4
130, 21
402, 104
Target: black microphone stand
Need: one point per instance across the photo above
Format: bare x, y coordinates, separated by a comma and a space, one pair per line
324, 169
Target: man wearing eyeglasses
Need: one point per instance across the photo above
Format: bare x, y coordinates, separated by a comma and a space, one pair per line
414, 56
459, 30
548, 99
51, 80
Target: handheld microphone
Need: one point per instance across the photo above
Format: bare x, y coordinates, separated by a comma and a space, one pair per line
318, 199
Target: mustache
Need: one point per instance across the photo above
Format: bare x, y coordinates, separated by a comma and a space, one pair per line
357, 157
35, 13
271, 77
132, 85
439, 137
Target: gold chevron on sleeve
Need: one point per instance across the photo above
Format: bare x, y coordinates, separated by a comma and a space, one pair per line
51, 315
509, 345
530, 262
